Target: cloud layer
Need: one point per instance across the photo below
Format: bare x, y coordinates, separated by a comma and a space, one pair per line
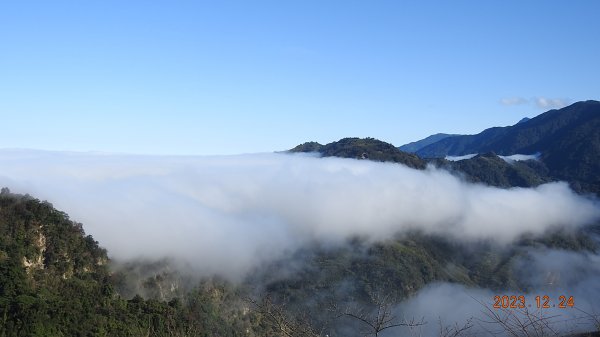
227, 214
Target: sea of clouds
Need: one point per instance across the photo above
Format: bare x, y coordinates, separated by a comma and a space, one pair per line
228, 214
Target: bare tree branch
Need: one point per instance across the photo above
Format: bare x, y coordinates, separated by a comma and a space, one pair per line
379, 319
278, 317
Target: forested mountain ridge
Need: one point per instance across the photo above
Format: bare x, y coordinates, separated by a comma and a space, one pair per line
486, 168
567, 139
490, 169
534, 135
56, 281
363, 148
415, 146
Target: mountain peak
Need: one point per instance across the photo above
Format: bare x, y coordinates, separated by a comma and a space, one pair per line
568, 140
362, 148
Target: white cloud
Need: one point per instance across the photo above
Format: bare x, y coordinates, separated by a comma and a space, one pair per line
458, 158
227, 214
550, 103
520, 157
540, 102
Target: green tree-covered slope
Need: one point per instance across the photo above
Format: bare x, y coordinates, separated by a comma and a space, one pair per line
55, 281
568, 140
363, 148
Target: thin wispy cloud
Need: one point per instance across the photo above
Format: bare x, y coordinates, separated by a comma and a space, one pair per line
509, 101
550, 103
539, 102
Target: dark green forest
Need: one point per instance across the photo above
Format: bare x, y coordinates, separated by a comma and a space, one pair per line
56, 281
367, 148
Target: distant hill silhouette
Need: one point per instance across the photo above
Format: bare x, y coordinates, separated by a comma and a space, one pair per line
535, 135
568, 140
490, 169
363, 148
419, 144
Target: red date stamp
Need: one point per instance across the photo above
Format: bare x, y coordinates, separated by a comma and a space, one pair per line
540, 302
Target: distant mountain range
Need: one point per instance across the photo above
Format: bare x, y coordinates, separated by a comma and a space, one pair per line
485, 168
568, 141
419, 144
414, 147
540, 134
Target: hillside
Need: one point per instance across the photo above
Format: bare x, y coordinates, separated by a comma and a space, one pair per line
367, 148
56, 281
534, 135
413, 147
490, 169
568, 140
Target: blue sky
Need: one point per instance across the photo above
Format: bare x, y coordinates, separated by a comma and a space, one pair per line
194, 77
